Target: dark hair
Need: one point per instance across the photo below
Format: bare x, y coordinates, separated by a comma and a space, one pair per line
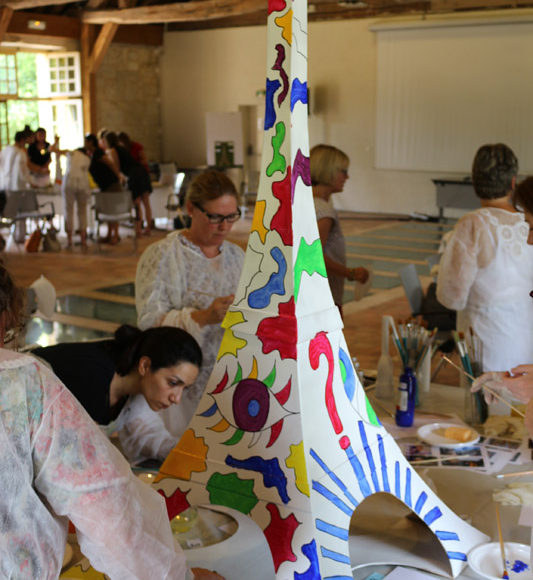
124, 138
165, 346
12, 299
20, 136
111, 138
210, 185
91, 137
41, 130
523, 195
493, 170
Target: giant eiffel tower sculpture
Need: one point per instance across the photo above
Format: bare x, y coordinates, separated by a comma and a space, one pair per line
284, 431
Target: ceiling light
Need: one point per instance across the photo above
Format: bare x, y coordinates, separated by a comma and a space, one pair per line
36, 24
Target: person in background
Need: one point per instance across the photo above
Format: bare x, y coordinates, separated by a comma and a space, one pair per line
107, 177
136, 150
517, 381
157, 363
56, 465
15, 177
75, 188
188, 280
138, 178
486, 271
39, 158
329, 172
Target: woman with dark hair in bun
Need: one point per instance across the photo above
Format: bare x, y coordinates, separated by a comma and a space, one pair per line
158, 363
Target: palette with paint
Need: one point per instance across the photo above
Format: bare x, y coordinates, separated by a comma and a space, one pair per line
486, 561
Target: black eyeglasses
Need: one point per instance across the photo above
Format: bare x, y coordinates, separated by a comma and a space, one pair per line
216, 218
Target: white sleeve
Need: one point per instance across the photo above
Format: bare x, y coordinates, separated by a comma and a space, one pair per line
459, 263
142, 433
121, 523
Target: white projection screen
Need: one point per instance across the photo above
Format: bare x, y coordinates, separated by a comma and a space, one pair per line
444, 91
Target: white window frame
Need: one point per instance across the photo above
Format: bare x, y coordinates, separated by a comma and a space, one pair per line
51, 67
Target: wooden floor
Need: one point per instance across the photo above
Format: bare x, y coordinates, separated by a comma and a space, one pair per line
78, 271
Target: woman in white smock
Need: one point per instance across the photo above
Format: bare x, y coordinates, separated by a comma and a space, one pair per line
486, 271
56, 465
188, 280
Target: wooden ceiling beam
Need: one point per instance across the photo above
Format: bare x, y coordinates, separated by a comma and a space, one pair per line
101, 44
177, 12
29, 4
5, 18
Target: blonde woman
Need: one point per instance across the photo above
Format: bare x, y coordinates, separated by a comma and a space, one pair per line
329, 172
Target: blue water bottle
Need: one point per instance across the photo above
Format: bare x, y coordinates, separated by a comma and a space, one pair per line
405, 409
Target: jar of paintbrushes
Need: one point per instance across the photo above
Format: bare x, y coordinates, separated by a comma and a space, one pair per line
469, 348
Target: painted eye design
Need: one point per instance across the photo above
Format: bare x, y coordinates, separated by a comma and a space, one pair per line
250, 406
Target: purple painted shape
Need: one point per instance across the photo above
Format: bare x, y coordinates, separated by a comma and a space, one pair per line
300, 168
278, 65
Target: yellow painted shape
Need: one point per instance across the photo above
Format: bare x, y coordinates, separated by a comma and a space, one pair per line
83, 571
232, 318
296, 461
230, 344
253, 372
285, 22
220, 427
258, 224
188, 456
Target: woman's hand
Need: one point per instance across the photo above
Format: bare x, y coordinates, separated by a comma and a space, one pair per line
358, 274
213, 314
203, 574
520, 382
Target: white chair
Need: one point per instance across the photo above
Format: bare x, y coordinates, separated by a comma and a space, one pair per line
21, 206
113, 206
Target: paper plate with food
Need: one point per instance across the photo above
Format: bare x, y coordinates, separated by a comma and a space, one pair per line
448, 435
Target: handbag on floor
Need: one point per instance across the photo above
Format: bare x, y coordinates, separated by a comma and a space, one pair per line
33, 242
50, 241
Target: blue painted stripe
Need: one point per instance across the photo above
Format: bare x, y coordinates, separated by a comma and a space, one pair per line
456, 556
369, 456
432, 516
334, 478
397, 487
324, 491
359, 472
209, 412
349, 383
383, 460
298, 92
446, 535
407, 499
420, 502
334, 555
336, 531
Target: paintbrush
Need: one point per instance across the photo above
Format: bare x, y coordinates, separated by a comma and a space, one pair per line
505, 575
488, 389
514, 474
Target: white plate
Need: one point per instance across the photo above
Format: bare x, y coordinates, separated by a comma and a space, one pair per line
429, 434
486, 560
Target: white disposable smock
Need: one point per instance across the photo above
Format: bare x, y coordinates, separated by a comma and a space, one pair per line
175, 278
486, 274
56, 465
14, 168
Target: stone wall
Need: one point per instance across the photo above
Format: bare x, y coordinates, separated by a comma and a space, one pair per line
128, 94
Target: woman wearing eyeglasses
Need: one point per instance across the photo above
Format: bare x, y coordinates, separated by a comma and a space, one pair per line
188, 280
329, 173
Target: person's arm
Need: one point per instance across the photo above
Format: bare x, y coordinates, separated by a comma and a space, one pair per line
360, 274
112, 160
121, 523
142, 433
159, 275
459, 264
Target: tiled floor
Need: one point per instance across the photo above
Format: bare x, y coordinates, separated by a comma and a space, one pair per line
95, 291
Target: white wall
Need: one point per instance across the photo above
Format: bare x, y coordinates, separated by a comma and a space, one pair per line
220, 69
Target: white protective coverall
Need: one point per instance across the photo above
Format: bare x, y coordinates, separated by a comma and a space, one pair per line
56, 465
